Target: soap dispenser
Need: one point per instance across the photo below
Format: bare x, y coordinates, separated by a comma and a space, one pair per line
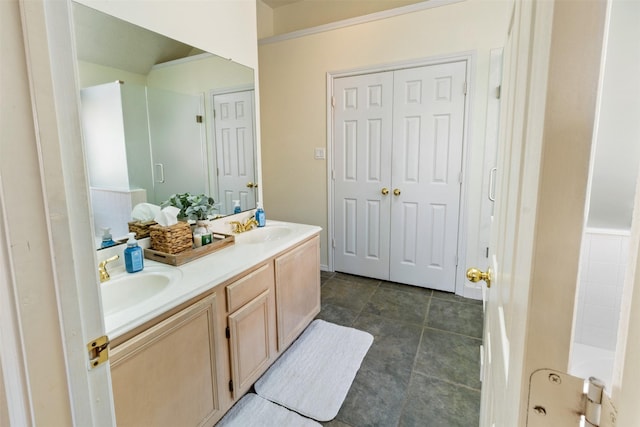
107, 240
236, 206
133, 257
260, 216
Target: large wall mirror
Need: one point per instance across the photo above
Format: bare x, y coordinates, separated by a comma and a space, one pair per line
160, 117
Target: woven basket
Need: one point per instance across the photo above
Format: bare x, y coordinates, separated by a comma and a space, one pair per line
141, 228
172, 239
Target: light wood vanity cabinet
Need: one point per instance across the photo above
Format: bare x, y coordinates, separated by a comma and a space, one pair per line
166, 375
179, 370
252, 327
297, 290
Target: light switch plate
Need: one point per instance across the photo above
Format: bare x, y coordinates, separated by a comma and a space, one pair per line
318, 153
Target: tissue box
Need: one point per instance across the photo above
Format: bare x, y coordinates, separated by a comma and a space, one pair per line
141, 228
172, 239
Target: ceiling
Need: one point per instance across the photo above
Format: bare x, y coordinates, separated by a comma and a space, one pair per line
277, 3
108, 41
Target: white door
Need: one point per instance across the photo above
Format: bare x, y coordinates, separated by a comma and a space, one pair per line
362, 123
505, 317
428, 123
528, 314
178, 148
234, 135
398, 161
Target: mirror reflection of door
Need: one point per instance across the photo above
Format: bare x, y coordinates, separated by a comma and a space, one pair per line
178, 147
234, 140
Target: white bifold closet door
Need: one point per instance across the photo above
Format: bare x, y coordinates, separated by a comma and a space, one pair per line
398, 163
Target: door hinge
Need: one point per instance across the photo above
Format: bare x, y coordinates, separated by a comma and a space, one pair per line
333, 243
98, 351
199, 118
457, 259
464, 88
230, 385
556, 399
227, 332
498, 91
333, 101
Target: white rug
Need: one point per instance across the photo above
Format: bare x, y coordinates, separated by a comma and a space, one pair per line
314, 375
254, 411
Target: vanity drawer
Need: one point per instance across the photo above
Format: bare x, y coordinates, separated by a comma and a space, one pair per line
250, 286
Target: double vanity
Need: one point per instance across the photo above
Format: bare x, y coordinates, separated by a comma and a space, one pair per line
187, 342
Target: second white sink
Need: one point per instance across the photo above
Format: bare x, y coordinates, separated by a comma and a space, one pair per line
264, 234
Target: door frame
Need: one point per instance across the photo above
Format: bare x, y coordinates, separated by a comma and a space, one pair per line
469, 57
50, 57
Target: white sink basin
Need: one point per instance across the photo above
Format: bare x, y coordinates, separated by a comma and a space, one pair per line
264, 234
126, 290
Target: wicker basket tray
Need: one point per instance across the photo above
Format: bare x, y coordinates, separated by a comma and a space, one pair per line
141, 228
172, 239
220, 241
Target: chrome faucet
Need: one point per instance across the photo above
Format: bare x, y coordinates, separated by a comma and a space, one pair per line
239, 227
102, 268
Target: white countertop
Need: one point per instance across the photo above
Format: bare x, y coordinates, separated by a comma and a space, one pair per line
203, 274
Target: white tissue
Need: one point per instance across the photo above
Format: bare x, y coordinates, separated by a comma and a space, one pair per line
144, 212
167, 216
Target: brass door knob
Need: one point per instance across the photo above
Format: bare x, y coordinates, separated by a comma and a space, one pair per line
385, 191
396, 191
252, 184
475, 275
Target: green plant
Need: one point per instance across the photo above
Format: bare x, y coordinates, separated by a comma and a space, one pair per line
196, 207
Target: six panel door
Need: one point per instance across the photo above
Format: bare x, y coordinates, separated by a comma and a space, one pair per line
398, 163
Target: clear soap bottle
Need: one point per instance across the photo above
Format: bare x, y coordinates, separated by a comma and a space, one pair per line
133, 257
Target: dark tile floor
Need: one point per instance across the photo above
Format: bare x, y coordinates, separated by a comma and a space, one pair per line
423, 368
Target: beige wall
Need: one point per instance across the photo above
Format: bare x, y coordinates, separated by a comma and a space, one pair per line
293, 81
93, 74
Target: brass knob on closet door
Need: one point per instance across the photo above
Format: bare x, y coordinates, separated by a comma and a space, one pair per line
396, 191
384, 191
475, 275
252, 184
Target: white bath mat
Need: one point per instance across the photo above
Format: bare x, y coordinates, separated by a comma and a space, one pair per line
314, 375
254, 411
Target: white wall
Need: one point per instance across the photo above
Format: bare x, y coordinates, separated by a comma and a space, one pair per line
603, 263
293, 81
617, 152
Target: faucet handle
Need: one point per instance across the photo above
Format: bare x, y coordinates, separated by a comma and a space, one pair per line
102, 268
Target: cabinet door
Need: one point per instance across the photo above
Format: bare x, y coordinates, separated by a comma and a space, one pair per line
251, 331
166, 376
297, 290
